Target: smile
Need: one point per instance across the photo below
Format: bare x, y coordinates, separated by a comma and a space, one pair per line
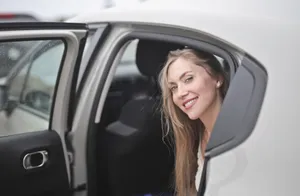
189, 103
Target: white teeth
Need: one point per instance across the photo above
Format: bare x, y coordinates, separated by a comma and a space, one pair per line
189, 103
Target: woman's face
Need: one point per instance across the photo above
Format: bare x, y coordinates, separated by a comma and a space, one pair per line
193, 89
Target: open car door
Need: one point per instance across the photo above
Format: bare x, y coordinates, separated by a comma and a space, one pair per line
33, 154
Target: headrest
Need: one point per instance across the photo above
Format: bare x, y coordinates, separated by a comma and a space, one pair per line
151, 55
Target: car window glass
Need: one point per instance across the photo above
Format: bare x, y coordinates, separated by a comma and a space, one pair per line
11, 53
39, 87
29, 83
39, 76
128, 57
16, 86
28, 90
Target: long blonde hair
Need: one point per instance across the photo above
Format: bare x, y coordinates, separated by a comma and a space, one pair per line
184, 131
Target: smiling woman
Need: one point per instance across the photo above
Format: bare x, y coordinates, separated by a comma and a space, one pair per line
194, 85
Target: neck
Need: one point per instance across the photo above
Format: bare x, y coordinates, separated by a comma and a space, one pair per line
210, 116
208, 119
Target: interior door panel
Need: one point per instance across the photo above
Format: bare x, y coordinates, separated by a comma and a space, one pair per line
49, 179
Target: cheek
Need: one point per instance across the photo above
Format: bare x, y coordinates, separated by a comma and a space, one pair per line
175, 101
204, 85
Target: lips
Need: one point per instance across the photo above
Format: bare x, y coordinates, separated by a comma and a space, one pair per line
189, 103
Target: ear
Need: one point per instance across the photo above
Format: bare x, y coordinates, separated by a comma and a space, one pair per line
219, 82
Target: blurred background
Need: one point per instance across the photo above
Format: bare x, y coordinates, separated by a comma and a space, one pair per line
47, 11
54, 10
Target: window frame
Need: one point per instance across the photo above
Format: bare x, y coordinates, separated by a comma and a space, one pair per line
34, 53
177, 35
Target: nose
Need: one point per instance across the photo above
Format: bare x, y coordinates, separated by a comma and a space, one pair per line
182, 92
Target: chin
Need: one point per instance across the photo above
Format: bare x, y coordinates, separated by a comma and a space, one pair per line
193, 116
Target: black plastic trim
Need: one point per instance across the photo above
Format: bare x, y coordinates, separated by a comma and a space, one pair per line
240, 109
51, 179
13, 26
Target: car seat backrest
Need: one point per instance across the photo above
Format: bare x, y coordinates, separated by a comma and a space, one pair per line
150, 58
138, 160
151, 55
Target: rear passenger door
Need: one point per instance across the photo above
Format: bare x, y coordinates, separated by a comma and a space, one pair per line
36, 109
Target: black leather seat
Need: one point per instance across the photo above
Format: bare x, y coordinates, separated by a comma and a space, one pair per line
136, 159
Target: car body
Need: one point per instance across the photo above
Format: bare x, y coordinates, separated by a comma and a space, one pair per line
253, 147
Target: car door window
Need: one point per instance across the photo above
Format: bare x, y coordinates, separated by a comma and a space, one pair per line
17, 83
31, 89
11, 53
41, 80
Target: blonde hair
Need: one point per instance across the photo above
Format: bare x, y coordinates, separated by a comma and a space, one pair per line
186, 132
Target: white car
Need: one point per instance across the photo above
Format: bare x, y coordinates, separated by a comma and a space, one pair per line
80, 111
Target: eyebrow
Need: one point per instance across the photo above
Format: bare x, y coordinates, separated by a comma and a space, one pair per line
181, 76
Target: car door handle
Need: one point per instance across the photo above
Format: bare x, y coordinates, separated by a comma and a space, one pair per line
35, 159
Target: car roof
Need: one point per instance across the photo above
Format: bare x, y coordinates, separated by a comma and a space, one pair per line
160, 11
242, 24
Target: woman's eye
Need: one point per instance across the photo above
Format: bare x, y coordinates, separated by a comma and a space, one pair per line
173, 88
189, 79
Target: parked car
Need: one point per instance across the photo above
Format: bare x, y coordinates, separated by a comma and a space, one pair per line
9, 17
80, 111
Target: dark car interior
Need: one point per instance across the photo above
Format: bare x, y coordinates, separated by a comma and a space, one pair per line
132, 157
